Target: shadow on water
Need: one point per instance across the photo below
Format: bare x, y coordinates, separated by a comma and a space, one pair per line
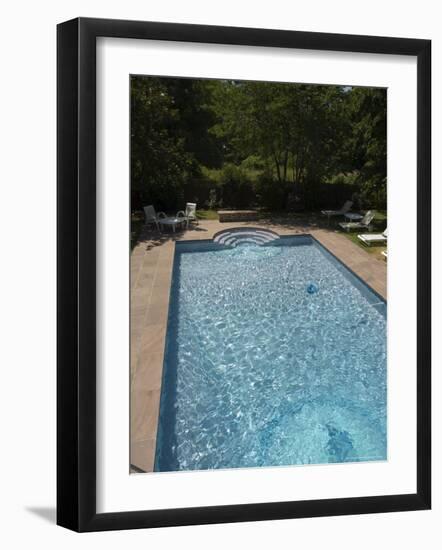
166, 445
340, 444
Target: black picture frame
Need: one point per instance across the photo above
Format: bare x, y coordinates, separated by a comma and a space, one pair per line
77, 287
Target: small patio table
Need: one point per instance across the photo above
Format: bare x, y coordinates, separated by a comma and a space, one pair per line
171, 222
353, 217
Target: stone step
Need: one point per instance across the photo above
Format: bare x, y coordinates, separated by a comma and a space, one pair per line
237, 215
233, 237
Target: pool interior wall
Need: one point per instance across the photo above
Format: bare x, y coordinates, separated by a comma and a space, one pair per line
260, 370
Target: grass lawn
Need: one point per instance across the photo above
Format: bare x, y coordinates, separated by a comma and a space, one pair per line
379, 225
207, 214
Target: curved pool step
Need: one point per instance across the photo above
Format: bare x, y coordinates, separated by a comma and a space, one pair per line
234, 237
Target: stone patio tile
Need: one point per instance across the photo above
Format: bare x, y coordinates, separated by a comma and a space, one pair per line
138, 314
146, 277
151, 258
135, 268
140, 295
149, 371
138, 309
164, 271
138, 253
165, 265
144, 413
157, 314
149, 339
161, 291
162, 282
142, 454
152, 339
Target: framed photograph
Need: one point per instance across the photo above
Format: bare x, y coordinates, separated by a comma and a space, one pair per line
243, 274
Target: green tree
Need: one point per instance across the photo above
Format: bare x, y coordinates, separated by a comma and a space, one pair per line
269, 141
368, 112
159, 162
296, 129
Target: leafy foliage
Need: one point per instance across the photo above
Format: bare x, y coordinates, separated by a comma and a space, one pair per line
242, 143
368, 112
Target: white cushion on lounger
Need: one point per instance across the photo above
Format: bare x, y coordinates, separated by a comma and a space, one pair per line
373, 237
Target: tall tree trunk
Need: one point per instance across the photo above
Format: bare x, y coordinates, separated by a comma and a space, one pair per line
286, 159
278, 168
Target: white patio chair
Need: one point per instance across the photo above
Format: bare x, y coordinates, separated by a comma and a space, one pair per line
191, 212
345, 208
373, 238
363, 224
151, 217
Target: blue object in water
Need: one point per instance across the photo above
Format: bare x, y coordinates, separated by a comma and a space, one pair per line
312, 288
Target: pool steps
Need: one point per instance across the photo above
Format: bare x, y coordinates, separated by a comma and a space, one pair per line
234, 237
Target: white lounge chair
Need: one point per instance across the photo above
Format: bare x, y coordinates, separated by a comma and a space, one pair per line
373, 238
363, 224
151, 217
344, 210
191, 212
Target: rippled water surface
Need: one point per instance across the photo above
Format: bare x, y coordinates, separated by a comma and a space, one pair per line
261, 372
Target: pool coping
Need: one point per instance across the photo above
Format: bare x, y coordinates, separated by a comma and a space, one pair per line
151, 280
381, 298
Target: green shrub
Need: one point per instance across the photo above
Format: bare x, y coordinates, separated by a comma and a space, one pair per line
349, 178
270, 194
212, 201
370, 196
236, 187
253, 163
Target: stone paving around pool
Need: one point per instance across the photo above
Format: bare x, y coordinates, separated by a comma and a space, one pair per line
151, 275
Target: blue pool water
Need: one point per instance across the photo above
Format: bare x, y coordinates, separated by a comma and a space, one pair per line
275, 355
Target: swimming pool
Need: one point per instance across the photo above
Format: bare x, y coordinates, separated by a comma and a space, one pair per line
275, 355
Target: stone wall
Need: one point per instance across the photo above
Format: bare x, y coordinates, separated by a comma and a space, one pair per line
237, 215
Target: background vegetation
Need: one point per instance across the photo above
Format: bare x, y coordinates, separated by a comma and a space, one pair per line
237, 144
